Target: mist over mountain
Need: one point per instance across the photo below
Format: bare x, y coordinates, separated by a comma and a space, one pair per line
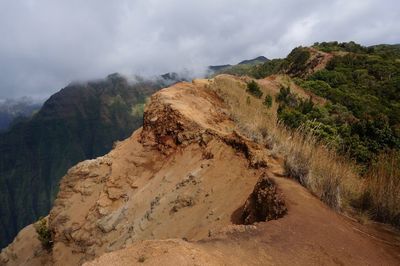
16, 109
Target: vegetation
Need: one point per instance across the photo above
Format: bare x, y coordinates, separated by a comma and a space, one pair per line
268, 101
364, 110
295, 63
313, 150
246, 67
268, 68
254, 89
329, 176
361, 120
44, 234
351, 47
382, 198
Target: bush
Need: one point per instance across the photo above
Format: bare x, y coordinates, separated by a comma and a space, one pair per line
296, 61
268, 101
286, 97
254, 89
44, 234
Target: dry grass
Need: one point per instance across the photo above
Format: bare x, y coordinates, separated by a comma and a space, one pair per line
315, 166
383, 188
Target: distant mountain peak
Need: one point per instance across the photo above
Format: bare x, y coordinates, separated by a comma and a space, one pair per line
257, 60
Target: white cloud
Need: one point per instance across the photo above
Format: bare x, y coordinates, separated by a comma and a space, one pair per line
47, 43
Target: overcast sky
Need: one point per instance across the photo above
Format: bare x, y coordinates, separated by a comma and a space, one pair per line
45, 44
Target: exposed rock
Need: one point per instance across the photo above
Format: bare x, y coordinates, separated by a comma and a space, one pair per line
109, 222
264, 203
182, 202
250, 150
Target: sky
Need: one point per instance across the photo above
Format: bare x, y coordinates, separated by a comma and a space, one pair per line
46, 44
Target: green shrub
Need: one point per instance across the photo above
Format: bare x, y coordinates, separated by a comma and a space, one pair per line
268, 101
254, 89
296, 61
44, 234
291, 117
286, 97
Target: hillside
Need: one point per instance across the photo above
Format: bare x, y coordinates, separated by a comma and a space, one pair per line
362, 85
170, 194
359, 117
80, 122
238, 69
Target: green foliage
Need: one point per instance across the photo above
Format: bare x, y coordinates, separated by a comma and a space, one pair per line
289, 110
44, 233
286, 97
292, 117
268, 101
268, 68
363, 86
258, 71
254, 89
344, 46
296, 62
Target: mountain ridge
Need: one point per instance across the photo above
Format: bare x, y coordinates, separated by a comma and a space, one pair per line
170, 194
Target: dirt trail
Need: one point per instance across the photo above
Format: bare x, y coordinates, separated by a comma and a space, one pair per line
311, 234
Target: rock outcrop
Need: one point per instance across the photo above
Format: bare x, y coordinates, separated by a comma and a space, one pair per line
265, 203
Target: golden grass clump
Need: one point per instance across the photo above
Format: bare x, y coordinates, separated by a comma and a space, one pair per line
383, 188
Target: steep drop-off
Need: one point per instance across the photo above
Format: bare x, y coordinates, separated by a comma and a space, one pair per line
80, 122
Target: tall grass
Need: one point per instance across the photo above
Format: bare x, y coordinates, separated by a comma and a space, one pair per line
383, 188
316, 166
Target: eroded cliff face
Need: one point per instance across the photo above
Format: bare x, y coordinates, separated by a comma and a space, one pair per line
183, 175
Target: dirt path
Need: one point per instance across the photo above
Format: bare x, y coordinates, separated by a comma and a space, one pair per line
311, 234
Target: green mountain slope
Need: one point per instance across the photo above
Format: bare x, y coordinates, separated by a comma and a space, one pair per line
242, 68
362, 84
81, 121
360, 118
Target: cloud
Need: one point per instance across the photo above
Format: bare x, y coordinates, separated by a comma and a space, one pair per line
45, 44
